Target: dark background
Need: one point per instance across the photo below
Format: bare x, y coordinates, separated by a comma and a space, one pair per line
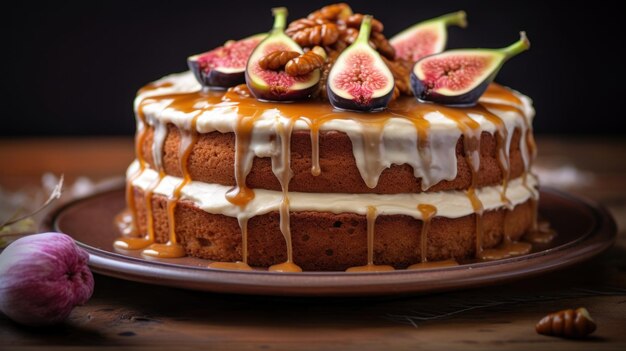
74, 68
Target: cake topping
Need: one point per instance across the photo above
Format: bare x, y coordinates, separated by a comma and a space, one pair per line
368, 71
268, 84
360, 80
427, 37
334, 12
224, 66
460, 77
311, 32
306, 63
277, 60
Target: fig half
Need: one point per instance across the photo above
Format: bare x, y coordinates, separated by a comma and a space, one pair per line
427, 37
360, 80
460, 77
277, 85
224, 66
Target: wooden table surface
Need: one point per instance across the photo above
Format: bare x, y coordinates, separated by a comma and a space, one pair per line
131, 315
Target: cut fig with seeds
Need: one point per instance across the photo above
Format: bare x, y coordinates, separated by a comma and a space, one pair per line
360, 80
426, 38
267, 84
224, 66
460, 77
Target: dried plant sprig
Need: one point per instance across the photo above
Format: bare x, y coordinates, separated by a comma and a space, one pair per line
54, 195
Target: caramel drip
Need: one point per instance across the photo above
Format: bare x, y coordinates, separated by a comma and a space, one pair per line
132, 240
241, 195
140, 138
371, 216
544, 234
428, 212
243, 264
243, 224
504, 160
281, 165
250, 109
502, 107
172, 248
186, 102
402, 108
496, 91
471, 143
372, 151
149, 210
507, 248
137, 243
531, 146
315, 149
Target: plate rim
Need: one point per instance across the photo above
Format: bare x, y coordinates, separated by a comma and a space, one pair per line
601, 236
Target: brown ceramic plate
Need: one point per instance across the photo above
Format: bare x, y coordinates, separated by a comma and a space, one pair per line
585, 229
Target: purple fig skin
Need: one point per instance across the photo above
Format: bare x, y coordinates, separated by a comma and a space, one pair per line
376, 104
42, 278
214, 78
423, 92
464, 100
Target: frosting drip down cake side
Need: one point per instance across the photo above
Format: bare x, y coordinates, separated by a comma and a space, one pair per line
309, 185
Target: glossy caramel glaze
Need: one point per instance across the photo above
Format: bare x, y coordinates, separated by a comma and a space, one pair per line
249, 110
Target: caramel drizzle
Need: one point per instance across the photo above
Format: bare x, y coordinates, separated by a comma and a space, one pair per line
172, 248
281, 164
316, 170
238, 265
527, 136
133, 241
504, 160
544, 234
428, 212
241, 195
372, 150
402, 109
371, 216
496, 91
185, 102
508, 247
471, 142
249, 112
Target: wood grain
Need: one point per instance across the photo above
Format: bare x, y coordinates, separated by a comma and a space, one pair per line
137, 316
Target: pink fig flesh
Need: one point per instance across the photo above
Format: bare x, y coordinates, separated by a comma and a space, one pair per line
362, 81
42, 278
225, 65
426, 38
460, 77
454, 72
422, 45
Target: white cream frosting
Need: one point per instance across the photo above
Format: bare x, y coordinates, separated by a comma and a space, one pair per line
451, 204
398, 140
